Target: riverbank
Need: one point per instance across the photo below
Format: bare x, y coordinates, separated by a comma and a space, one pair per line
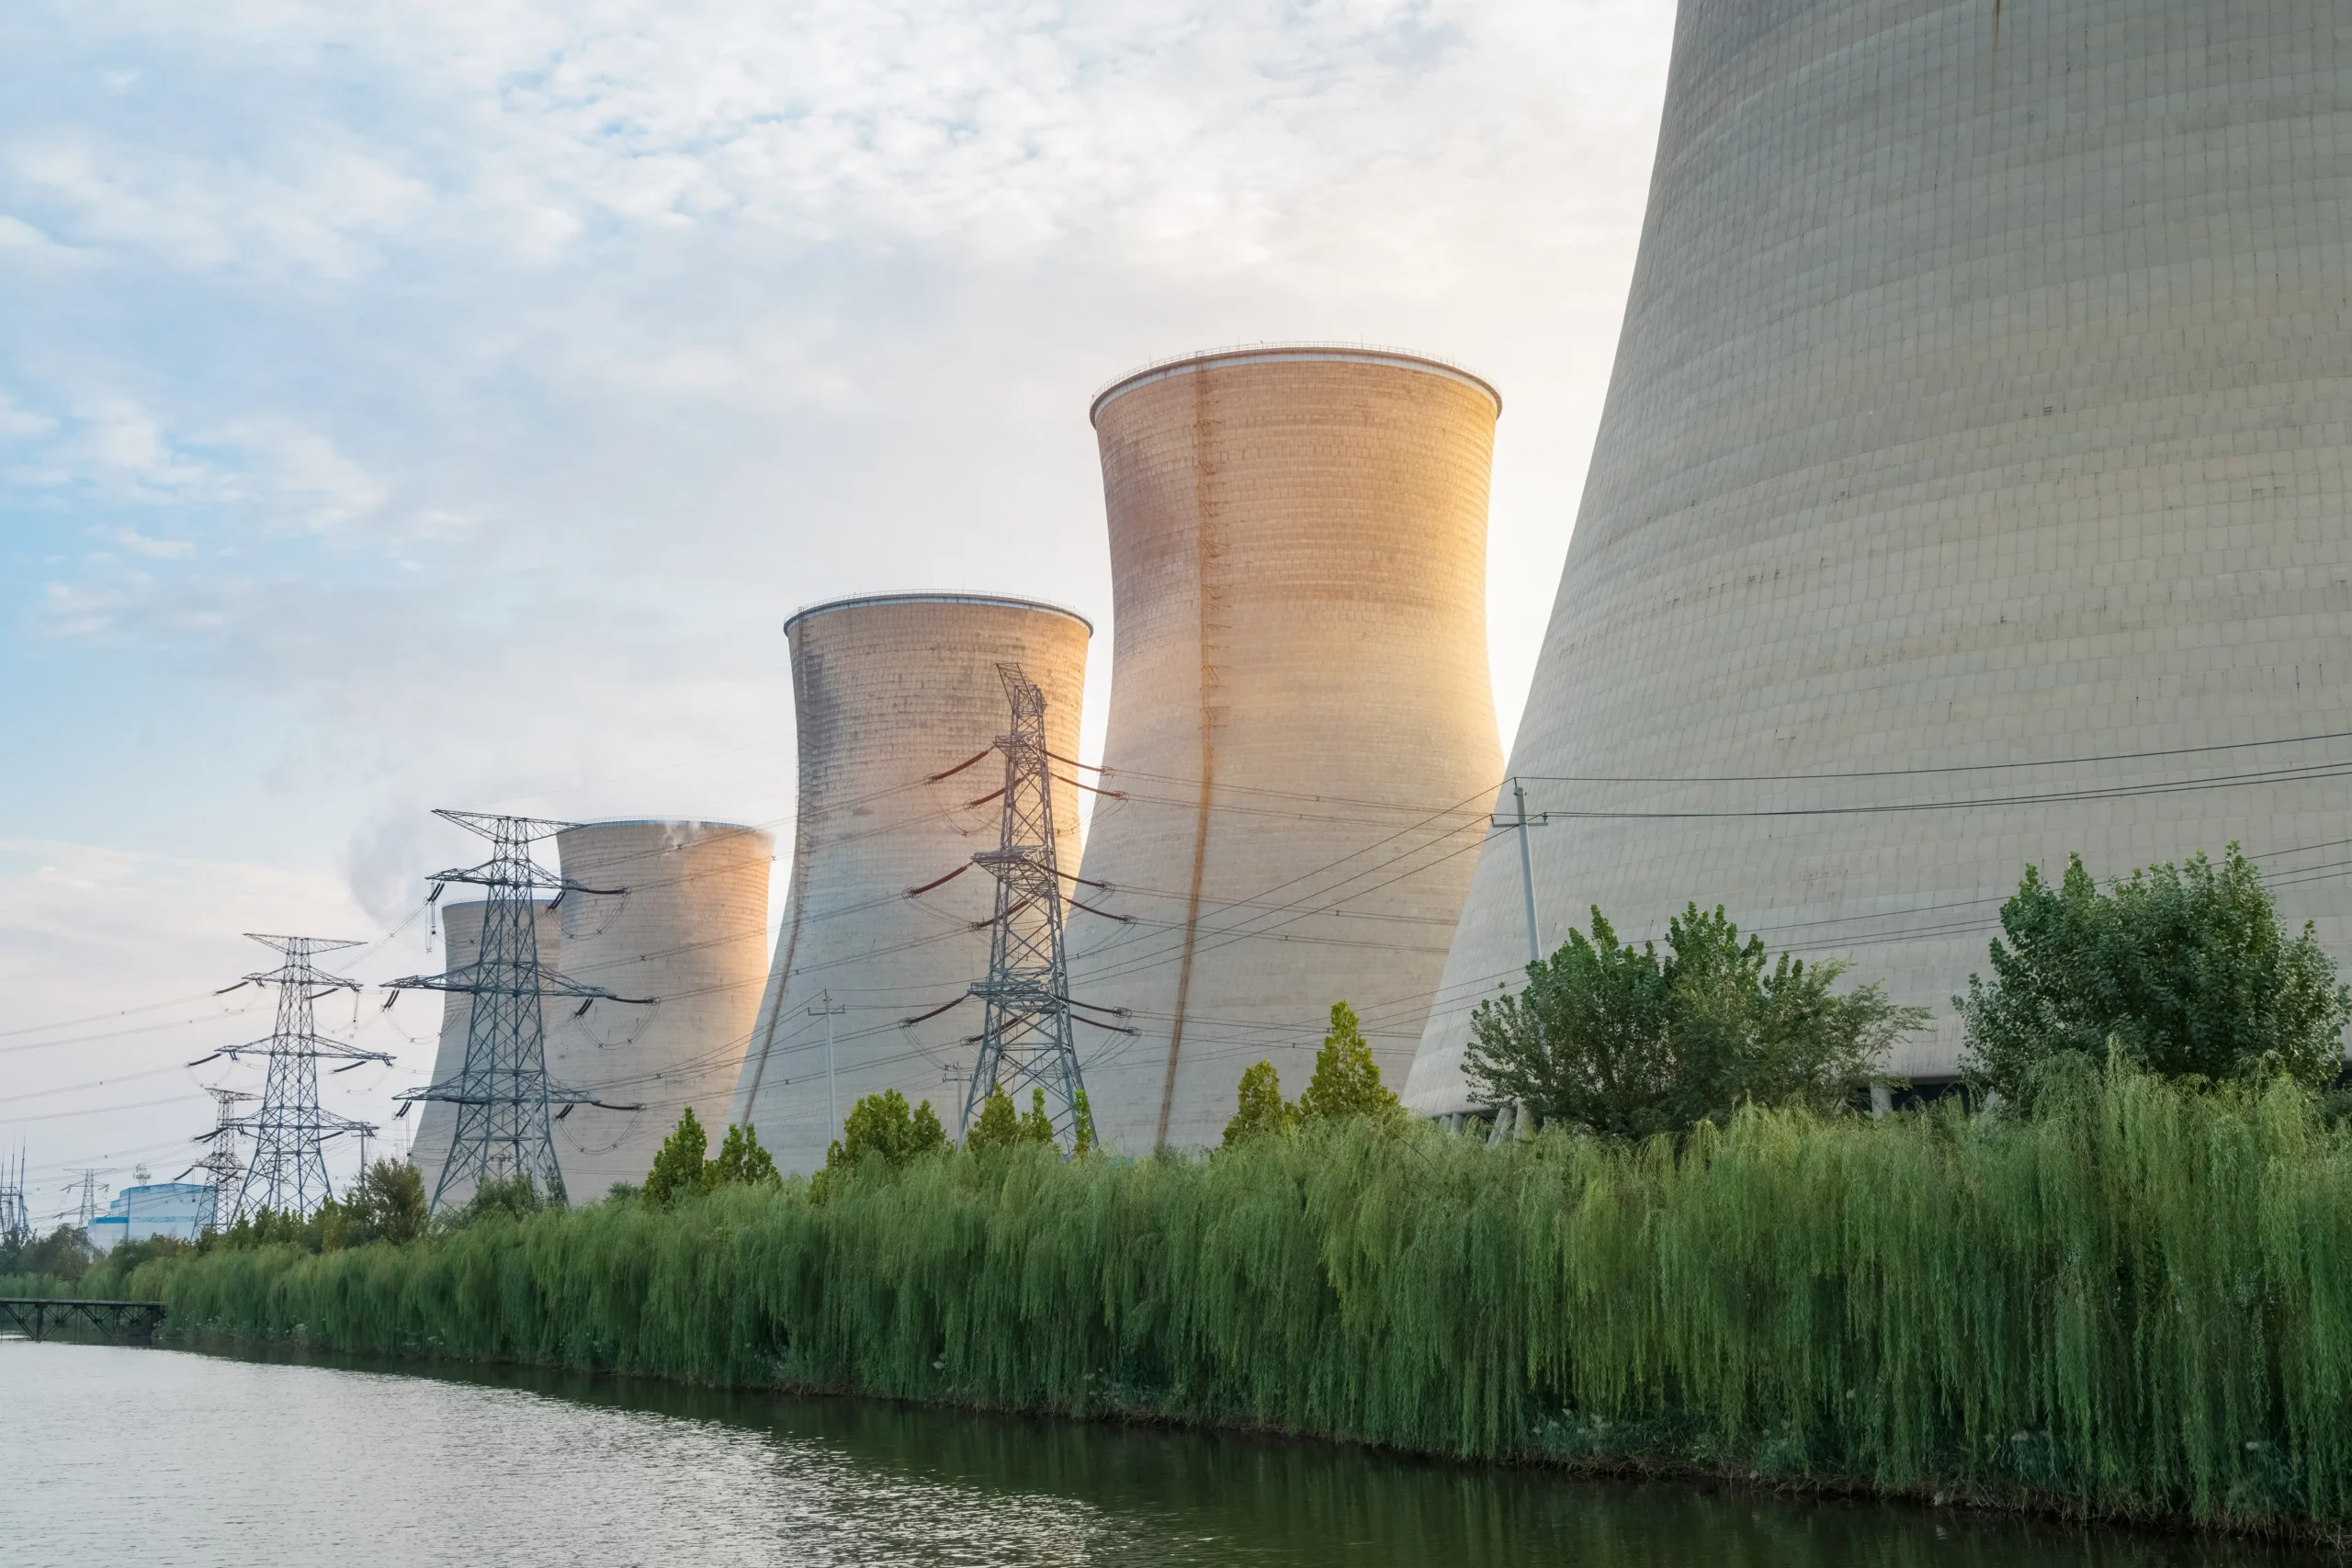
2139, 1308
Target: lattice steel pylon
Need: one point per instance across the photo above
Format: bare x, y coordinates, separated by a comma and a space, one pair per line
16, 1214
288, 1174
503, 1093
220, 1161
1027, 1040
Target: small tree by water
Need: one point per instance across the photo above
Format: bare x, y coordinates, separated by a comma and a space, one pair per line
2182, 970
1629, 1042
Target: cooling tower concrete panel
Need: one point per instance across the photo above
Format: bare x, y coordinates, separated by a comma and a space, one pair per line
1982, 402
889, 691
1302, 732
676, 921
461, 945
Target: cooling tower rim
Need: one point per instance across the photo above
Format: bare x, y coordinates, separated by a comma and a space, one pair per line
665, 822
999, 601
1291, 353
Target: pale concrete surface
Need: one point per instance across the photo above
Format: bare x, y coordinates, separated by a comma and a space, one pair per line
886, 691
688, 928
1983, 399
1301, 724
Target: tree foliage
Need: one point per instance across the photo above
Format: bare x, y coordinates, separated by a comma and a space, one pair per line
881, 1124
2183, 970
1347, 1078
679, 1165
742, 1161
998, 1126
1346, 1083
680, 1168
386, 1203
1627, 1043
1259, 1107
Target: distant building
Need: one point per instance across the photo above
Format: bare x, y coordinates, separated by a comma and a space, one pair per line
177, 1209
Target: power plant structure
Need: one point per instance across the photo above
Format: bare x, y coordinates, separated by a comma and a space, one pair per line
1301, 751
461, 947
685, 926
899, 708
1972, 490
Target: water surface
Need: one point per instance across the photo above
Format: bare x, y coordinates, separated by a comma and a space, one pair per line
117, 1455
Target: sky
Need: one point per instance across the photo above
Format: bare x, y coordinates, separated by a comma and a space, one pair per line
418, 405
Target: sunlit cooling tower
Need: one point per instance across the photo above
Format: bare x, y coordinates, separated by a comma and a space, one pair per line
1302, 732
686, 928
461, 945
1982, 402
889, 692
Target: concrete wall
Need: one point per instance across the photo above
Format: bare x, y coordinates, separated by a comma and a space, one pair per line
689, 930
1982, 402
887, 691
437, 1120
1301, 721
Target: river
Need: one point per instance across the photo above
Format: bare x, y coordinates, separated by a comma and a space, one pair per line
119, 1455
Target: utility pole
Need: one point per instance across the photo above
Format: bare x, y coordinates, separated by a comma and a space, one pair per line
1527, 863
289, 1173
1027, 1040
502, 1091
220, 1161
823, 1007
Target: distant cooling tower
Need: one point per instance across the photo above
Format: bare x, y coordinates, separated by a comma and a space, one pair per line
889, 691
461, 945
1302, 732
688, 928
1973, 488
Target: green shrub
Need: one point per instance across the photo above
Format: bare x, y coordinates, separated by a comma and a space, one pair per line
1626, 1043
2181, 970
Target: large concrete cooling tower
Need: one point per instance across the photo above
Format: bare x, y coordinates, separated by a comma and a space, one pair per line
1974, 464
1302, 734
686, 928
889, 692
437, 1119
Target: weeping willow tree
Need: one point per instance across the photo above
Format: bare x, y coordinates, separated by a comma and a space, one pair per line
2137, 1304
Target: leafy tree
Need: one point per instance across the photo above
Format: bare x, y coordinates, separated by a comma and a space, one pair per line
742, 1161
999, 1126
64, 1253
387, 1205
517, 1196
1259, 1107
1082, 1141
1347, 1078
2182, 971
1624, 1042
881, 1124
679, 1167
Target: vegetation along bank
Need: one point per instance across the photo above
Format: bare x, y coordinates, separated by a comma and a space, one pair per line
2126, 1292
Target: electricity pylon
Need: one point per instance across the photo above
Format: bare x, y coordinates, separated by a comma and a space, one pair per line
289, 1173
220, 1161
85, 1181
16, 1214
1025, 1039
502, 1091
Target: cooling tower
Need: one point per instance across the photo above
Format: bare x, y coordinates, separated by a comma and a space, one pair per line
437, 1120
1302, 734
891, 692
1971, 489
679, 918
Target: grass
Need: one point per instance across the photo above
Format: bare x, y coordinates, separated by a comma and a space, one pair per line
2138, 1305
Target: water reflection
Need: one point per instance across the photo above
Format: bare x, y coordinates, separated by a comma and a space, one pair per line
269, 1462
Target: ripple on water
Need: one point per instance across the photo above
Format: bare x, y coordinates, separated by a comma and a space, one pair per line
118, 1455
